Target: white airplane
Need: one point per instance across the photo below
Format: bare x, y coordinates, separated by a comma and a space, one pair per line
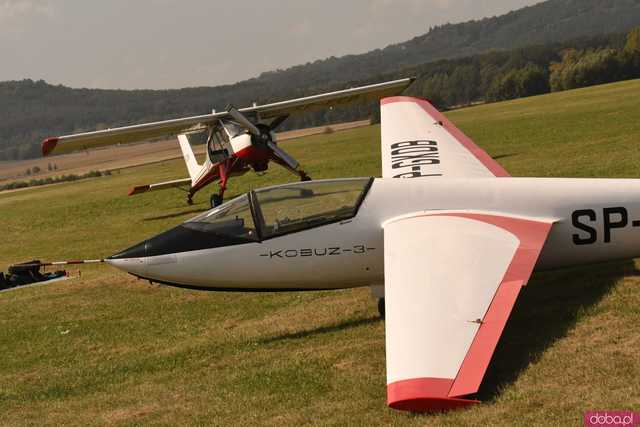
449, 255
237, 140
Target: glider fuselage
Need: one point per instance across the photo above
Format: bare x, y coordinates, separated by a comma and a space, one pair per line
594, 220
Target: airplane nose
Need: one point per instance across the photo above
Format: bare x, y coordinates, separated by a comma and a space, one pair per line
132, 260
143, 259
151, 258
187, 237
136, 251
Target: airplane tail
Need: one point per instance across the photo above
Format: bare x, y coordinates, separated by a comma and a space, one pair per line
186, 182
187, 152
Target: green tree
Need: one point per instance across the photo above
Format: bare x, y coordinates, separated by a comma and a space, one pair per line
586, 68
528, 81
633, 41
631, 54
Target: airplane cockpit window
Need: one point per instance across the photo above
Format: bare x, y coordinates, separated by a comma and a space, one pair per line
295, 207
217, 152
232, 220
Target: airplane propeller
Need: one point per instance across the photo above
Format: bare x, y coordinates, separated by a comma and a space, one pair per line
293, 163
263, 133
244, 121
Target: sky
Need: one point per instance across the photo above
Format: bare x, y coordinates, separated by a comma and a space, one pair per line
160, 44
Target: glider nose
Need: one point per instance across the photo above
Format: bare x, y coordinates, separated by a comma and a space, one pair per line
135, 251
131, 260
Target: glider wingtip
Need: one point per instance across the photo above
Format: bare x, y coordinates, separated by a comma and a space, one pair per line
48, 145
431, 404
424, 395
402, 98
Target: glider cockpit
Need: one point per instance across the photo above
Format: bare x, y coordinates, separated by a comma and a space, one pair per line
260, 215
295, 207
283, 209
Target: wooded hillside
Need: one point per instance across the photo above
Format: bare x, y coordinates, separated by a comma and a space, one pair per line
33, 110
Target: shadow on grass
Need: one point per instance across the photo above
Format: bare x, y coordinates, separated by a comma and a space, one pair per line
353, 323
546, 309
502, 156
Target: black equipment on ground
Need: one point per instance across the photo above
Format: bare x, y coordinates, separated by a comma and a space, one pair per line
26, 273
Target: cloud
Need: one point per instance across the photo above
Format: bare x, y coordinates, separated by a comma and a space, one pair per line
15, 11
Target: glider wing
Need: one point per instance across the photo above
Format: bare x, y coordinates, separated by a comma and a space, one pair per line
419, 141
447, 301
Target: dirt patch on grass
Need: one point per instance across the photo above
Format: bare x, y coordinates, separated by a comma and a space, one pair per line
129, 414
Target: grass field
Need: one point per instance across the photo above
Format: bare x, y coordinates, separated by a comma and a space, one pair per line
107, 349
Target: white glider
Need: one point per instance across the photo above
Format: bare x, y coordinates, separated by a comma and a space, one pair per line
452, 251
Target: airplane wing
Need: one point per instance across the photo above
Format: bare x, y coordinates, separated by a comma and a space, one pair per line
419, 141
147, 131
126, 134
332, 99
160, 186
451, 280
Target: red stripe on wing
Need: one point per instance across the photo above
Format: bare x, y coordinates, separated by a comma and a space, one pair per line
423, 395
493, 166
48, 145
532, 235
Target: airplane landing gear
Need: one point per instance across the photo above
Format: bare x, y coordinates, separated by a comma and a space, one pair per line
190, 199
216, 200
381, 307
304, 177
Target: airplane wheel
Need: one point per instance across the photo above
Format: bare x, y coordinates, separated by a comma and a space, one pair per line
381, 307
216, 200
306, 178
189, 201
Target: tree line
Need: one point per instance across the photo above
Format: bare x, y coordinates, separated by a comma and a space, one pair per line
33, 110
532, 71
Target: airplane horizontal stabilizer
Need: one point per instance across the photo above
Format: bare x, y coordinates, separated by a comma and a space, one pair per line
160, 186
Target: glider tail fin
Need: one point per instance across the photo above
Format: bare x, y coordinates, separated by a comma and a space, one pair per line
187, 152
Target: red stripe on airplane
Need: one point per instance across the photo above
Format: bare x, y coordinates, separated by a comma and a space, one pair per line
48, 145
532, 235
493, 166
423, 395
